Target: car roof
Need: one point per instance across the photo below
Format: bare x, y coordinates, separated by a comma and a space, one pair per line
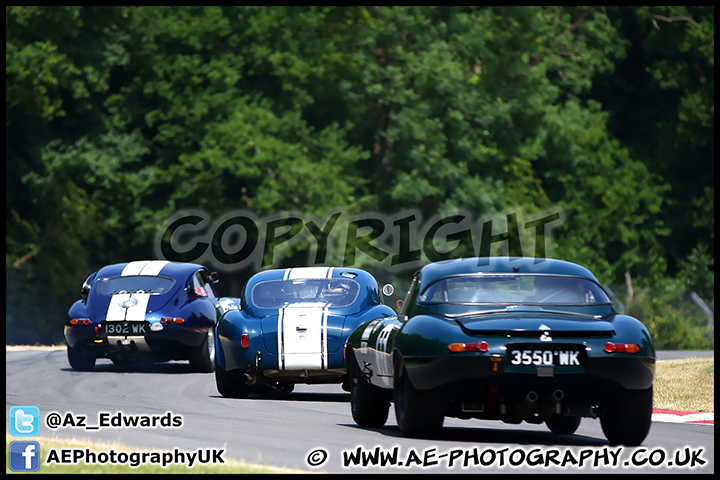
368, 294
361, 276
177, 270
434, 271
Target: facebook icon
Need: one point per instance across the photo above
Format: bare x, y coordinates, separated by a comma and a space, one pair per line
24, 456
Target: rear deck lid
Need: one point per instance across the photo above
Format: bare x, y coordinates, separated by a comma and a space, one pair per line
529, 320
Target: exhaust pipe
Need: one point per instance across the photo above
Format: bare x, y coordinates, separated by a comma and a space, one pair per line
552, 405
252, 378
525, 408
127, 346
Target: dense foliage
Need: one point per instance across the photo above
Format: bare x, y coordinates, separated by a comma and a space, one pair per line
119, 117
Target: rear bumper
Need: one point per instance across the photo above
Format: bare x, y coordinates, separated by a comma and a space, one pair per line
458, 376
231, 355
172, 338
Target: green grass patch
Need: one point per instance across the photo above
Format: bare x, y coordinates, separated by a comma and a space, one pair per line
687, 385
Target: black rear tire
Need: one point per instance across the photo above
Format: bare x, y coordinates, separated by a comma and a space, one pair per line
370, 406
231, 384
202, 358
79, 359
419, 414
627, 420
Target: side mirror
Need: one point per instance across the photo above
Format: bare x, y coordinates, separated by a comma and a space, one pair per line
213, 277
388, 289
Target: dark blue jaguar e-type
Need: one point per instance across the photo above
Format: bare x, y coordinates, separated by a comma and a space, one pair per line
510, 339
151, 309
292, 328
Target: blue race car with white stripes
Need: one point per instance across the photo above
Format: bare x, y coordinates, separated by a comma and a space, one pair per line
292, 327
146, 310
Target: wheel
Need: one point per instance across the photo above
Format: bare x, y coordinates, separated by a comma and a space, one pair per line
202, 358
79, 359
370, 407
285, 388
231, 384
562, 425
418, 413
627, 421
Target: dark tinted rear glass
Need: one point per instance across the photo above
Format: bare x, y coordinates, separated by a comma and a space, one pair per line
334, 292
533, 289
135, 284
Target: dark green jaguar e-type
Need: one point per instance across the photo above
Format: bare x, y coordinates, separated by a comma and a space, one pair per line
503, 338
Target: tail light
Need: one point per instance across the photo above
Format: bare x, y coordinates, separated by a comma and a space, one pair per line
621, 348
244, 340
468, 347
80, 321
172, 320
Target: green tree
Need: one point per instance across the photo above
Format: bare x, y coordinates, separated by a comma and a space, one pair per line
660, 103
118, 117
59, 153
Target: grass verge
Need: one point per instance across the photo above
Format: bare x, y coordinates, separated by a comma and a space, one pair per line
686, 385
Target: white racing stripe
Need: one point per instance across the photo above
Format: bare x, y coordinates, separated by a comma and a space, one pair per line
136, 313
153, 267
134, 268
308, 272
302, 328
116, 313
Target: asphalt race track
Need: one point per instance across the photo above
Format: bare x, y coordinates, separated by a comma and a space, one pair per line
313, 426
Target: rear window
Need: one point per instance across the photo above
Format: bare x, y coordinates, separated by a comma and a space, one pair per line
333, 292
135, 284
531, 289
